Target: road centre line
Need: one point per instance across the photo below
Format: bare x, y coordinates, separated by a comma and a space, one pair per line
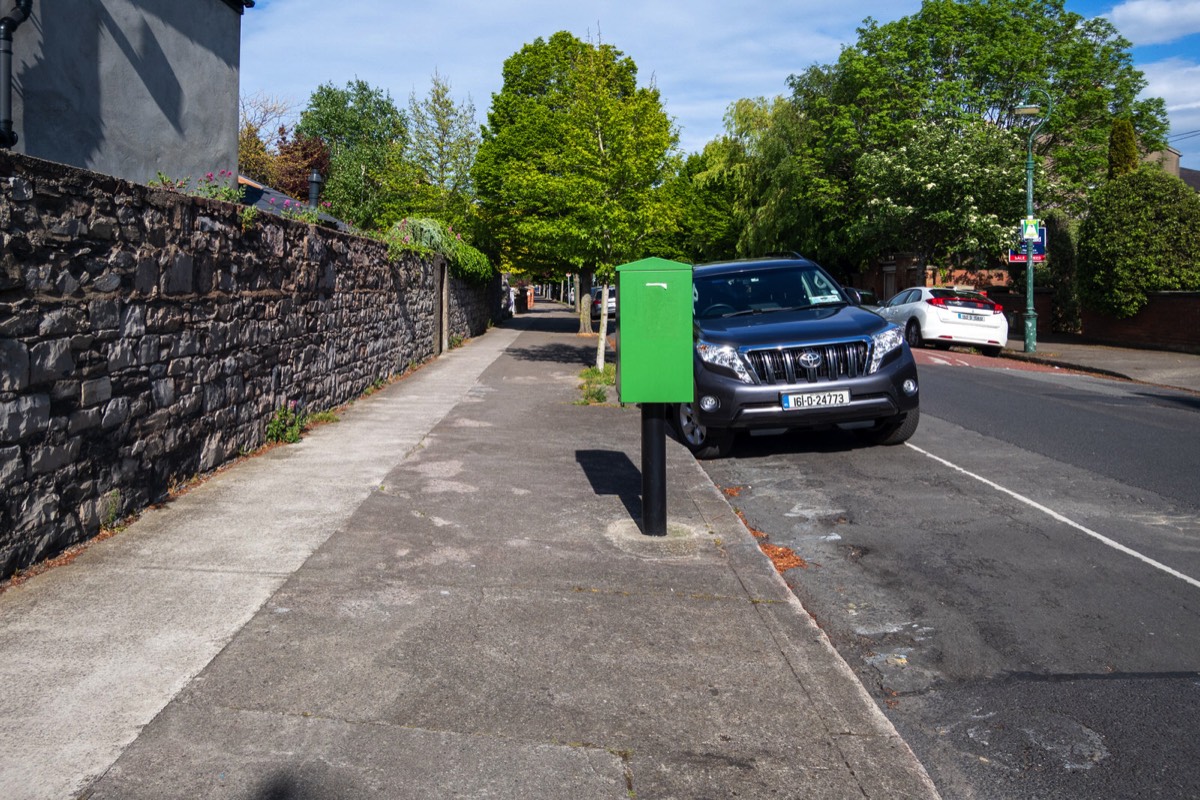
1059, 517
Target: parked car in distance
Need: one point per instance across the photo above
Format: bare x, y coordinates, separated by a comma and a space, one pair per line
946, 315
866, 298
779, 344
612, 301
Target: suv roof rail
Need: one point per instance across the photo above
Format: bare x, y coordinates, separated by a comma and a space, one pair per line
782, 254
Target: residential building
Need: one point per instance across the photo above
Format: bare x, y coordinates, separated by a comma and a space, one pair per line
129, 88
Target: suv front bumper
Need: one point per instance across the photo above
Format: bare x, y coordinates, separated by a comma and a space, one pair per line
741, 406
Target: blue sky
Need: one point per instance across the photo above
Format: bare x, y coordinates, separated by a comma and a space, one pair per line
702, 54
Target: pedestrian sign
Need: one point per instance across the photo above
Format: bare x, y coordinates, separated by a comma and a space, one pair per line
1029, 229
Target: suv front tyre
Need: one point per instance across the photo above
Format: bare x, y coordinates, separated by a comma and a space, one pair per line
895, 430
704, 442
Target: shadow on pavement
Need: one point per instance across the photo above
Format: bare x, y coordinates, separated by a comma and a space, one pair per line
581, 356
612, 472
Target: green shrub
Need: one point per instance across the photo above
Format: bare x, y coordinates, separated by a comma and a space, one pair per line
427, 236
286, 424
1141, 234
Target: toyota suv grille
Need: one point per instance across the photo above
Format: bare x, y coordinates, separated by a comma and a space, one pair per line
810, 363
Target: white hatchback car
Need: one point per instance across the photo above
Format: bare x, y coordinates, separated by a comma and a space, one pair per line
948, 315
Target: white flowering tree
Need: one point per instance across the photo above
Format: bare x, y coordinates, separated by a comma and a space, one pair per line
951, 193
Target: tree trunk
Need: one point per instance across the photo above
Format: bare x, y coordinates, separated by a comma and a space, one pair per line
600, 343
584, 297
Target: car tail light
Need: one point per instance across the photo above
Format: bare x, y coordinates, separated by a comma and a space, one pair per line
940, 302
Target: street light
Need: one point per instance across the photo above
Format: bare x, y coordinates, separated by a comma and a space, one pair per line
1030, 110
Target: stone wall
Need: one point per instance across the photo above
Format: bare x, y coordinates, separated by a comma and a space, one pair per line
146, 338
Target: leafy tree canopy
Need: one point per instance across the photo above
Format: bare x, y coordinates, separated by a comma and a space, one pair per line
573, 159
445, 139
370, 183
947, 194
818, 177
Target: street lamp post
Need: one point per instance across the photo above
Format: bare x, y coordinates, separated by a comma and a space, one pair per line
1031, 110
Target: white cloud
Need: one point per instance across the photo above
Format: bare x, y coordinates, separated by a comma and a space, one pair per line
1156, 21
1177, 82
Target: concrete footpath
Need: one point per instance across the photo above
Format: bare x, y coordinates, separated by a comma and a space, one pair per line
1156, 367
445, 594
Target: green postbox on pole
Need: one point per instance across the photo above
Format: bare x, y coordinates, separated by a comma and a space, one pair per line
654, 364
654, 333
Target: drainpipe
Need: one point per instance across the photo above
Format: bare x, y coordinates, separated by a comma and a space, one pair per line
19, 14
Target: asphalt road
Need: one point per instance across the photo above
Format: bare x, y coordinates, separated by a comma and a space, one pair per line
1019, 586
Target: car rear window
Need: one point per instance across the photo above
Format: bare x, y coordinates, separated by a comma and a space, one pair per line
973, 298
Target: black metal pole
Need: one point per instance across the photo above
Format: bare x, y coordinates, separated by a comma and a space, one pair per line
654, 469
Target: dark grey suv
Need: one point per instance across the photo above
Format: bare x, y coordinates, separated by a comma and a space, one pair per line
780, 344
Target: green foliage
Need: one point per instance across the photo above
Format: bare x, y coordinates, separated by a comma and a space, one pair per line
1141, 234
1122, 148
1062, 234
248, 217
222, 185
947, 194
320, 418
594, 381
445, 139
426, 236
573, 159
110, 508
811, 172
286, 424
704, 190
370, 182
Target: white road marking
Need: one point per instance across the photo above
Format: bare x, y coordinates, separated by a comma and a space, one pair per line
1059, 517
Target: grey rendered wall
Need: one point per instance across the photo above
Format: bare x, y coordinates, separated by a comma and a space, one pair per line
129, 87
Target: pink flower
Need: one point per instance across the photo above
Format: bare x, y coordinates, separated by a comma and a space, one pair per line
208, 177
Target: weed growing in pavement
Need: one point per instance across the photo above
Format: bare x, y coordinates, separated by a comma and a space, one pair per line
594, 382
320, 418
110, 508
286, 424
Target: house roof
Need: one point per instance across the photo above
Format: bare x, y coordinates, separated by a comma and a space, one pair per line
1191, 177
240, 6
273, 201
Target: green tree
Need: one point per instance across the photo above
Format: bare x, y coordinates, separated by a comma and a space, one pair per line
948, 194
704, 191
371, 182
955, 62
1062, 236
255, 160
574, 159
445, 139
1122, 148
1141, 234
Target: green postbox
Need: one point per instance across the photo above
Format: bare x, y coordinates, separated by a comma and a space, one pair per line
654, 332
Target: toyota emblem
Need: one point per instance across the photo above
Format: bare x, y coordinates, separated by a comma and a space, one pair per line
810, 359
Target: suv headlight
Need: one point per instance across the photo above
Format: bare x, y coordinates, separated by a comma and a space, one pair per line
722, 355
883, 343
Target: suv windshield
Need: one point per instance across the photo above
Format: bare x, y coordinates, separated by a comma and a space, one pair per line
761, 291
